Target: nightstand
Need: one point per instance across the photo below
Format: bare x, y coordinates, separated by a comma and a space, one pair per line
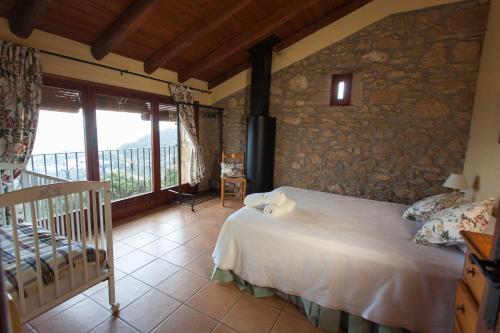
471, 286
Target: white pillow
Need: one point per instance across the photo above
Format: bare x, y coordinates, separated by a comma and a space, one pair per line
423, 209
444, 227
232, 170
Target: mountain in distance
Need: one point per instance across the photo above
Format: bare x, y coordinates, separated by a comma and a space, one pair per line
168, 137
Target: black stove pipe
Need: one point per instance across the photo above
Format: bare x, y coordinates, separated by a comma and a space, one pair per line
261, 129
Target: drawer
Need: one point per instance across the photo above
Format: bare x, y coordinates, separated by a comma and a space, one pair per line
456, 327
473, 278
465, 308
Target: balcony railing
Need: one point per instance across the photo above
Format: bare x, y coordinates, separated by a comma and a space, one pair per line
129, 170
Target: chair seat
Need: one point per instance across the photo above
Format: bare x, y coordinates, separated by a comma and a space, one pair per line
233, 179
241, 180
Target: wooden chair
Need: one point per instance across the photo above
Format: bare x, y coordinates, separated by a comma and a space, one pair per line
235, 158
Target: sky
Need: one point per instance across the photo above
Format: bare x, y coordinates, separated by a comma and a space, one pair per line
63, 131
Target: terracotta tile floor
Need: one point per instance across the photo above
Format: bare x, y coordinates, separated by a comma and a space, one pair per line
163, 265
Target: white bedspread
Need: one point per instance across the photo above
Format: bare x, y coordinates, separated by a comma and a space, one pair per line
345, 253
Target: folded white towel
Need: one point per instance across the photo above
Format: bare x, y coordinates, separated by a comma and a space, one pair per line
274, 211
276, 197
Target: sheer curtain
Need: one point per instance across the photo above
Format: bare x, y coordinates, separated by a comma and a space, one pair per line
20, 96
196, 166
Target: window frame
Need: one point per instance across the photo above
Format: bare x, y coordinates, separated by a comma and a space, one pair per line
336, 79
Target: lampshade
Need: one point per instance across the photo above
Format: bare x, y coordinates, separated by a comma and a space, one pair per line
456, 182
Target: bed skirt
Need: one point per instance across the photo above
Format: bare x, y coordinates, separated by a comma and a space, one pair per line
327, 319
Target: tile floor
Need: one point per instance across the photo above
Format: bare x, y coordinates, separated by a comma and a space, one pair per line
163, 264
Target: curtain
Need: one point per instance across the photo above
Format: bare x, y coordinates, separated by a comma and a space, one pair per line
20, 97
196, 166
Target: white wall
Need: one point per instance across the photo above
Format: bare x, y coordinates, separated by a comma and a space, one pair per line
483, 154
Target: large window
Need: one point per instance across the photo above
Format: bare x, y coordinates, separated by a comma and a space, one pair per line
124, 140
59, 149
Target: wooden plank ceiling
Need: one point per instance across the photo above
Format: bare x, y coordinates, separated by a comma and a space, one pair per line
203, 39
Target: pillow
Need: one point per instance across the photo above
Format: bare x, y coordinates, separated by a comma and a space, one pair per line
232, 170
422, 210
490, 229
444, 227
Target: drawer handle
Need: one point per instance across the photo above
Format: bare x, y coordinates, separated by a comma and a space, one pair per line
460, 308
471, 271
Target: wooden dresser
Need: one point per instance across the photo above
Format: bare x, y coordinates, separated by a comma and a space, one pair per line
471, 286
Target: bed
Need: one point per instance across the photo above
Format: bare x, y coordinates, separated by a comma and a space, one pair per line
343, 253
55, 240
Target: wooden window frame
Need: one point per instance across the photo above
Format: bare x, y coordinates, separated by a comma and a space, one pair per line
126, 207
336, 79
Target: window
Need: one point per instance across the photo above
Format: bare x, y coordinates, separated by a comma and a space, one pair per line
90, 131
124, 140
60, 116
341, 90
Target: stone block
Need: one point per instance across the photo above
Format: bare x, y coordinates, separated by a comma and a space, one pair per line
468, 19
466, 51
431, 109
435, 56
375, 56
298, 83
384, 97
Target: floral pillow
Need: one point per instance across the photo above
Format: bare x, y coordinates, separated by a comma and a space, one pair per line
444, 227
232, 170
422, 210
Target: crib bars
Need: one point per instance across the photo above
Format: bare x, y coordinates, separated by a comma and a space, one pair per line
78, 211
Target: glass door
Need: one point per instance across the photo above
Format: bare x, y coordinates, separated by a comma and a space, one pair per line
124, 141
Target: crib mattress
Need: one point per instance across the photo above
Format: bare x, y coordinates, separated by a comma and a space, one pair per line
48, 263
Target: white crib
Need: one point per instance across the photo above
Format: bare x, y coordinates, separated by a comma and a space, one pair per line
57, 240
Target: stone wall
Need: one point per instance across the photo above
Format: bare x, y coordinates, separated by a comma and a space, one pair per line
408, 125
209, 137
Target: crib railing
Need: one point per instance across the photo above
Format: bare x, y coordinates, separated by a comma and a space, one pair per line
78, 213
30, 179
17, 179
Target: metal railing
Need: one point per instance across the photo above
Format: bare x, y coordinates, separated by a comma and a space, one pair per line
129, 170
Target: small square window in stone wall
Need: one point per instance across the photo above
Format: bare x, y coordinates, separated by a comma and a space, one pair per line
341, 90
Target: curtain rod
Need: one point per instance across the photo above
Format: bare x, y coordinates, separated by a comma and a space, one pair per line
201, 105
121, 70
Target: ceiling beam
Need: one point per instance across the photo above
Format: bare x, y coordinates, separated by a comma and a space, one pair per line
247, 38
322, 22
210, 22
128, 22
25, 16
229, 74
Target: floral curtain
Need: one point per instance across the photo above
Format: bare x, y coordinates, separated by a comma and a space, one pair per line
20, 97
196, 166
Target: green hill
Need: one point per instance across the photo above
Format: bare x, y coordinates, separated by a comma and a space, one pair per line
168, 137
